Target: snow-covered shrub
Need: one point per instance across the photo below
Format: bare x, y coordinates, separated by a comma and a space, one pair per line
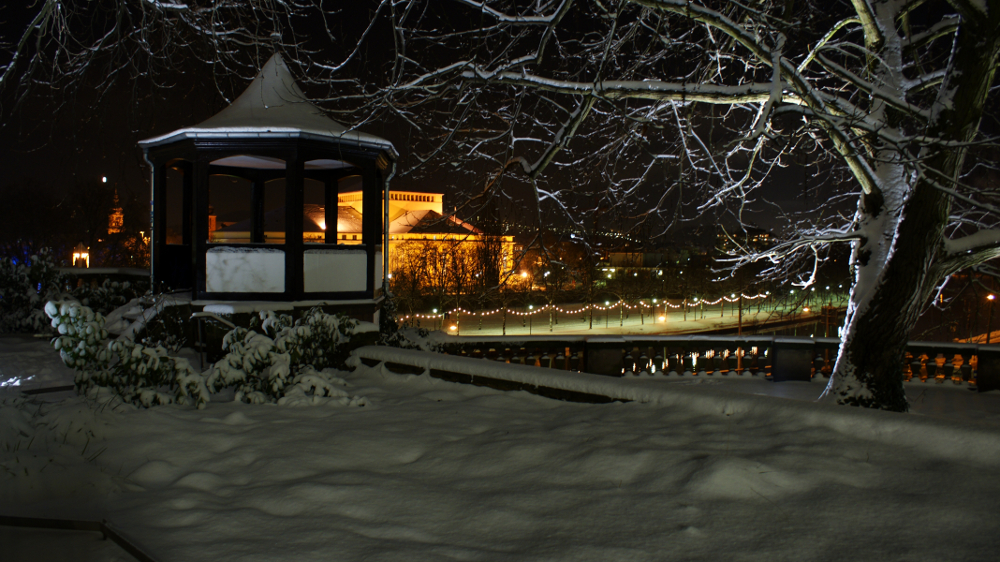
25, 287
314, 388
139, 374
388, 328
109, 295
265, 366
168, 327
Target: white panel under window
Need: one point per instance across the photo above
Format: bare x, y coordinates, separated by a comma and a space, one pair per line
335, 270
245, 270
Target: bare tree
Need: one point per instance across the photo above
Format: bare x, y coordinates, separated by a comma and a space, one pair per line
656, 110
892, 93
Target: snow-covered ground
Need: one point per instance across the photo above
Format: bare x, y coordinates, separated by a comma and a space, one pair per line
430, 470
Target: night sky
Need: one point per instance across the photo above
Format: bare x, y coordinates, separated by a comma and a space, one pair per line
55, 138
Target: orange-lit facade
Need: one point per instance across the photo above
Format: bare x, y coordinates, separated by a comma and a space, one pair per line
413, 217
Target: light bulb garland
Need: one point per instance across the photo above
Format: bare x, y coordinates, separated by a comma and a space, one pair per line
619, 304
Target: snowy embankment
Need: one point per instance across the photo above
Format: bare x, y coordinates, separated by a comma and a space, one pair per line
431, 470
960, 440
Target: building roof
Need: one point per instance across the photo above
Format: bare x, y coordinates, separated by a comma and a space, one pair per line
273, 106
430, 222
349, 220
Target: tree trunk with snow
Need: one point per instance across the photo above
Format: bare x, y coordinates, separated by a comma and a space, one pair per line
905, 254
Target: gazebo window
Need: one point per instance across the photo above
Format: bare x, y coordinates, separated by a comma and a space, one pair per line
230, 209
314, 211
274, 212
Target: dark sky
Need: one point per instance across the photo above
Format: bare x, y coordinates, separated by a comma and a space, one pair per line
57, 138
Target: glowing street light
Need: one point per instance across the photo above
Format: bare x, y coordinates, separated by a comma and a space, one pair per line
81, 256
989, 322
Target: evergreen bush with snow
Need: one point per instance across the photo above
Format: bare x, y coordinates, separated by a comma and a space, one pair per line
276, 360
25, 287
109, 295
285, 359
138, 374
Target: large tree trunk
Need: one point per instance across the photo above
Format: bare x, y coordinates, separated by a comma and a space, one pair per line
894, 275
904, 257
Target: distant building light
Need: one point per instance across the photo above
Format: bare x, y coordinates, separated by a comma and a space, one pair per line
81, 256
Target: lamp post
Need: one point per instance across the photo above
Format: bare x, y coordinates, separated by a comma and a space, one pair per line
989, 322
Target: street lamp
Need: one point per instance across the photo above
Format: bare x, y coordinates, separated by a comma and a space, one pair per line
989, 321
81, 256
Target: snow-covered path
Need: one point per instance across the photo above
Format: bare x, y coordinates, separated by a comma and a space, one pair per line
430, 470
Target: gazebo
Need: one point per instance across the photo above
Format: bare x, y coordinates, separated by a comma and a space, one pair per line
271, 132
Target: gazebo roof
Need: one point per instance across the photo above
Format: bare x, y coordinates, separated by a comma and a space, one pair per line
273, 106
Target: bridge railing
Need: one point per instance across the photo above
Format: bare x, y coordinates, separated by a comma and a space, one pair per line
776, 357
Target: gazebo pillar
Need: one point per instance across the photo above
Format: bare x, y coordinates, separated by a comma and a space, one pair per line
294, 245
187, 201
158, 230
371, 219
199, 230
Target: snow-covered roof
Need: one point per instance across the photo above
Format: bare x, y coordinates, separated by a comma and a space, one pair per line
273, 106
430, 222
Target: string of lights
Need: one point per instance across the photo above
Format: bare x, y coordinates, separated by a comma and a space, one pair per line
532, 310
